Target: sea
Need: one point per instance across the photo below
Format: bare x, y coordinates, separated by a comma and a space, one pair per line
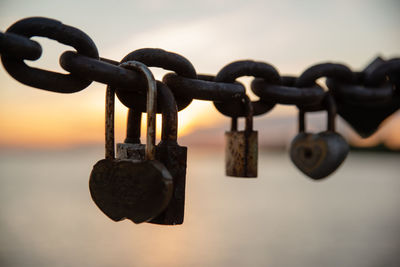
281, 218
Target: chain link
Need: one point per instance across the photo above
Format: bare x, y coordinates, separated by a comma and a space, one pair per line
363, 98
18, 46
43, 79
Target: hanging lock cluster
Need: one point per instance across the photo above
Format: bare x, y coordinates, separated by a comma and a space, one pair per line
146, 183
134, 188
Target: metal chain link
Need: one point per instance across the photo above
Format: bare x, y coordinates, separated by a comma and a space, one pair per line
364, 99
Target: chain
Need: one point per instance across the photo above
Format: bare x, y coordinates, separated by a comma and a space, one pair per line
364, 98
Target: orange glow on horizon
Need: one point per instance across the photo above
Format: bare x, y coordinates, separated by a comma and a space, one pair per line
33, 126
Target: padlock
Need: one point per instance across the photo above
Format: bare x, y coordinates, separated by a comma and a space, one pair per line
241, 147
168, 152
318, 155
366, 104
138, 190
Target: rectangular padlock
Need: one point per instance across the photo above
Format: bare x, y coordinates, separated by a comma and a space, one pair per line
241, 152
241, 148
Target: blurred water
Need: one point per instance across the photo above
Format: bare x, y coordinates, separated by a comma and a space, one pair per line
47, 217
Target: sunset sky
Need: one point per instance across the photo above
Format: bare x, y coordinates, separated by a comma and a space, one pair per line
291, 35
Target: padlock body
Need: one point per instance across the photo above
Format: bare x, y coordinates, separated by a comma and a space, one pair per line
131, 151
241, 153
174, 158
136, 190
318, 155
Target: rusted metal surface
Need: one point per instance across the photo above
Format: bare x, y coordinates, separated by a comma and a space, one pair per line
241, 147
109, 130
241, 153
151, 105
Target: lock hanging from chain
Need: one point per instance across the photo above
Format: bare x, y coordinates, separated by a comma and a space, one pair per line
138, 190
241, 147
168, 152
318, 155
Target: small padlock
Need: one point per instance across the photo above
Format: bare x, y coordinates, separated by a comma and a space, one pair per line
138, 190
241, 147
168, 152
318, 155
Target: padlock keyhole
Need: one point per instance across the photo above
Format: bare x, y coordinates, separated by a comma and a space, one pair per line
307, 153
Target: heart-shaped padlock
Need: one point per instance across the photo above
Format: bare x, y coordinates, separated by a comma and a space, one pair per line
136, 191
318, 155
366, 103
365, 120
132, 189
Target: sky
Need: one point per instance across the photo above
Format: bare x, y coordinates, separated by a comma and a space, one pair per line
290, 35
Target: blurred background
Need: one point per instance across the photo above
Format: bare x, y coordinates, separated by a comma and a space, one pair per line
49, 143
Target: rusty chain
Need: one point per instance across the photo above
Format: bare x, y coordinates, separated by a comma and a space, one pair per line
364, 99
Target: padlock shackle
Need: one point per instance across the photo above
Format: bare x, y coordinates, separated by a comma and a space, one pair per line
169, 110
169, 133
302, 121
151, 112
330, 106
249, 116
109, 125
234, 124
151, 107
